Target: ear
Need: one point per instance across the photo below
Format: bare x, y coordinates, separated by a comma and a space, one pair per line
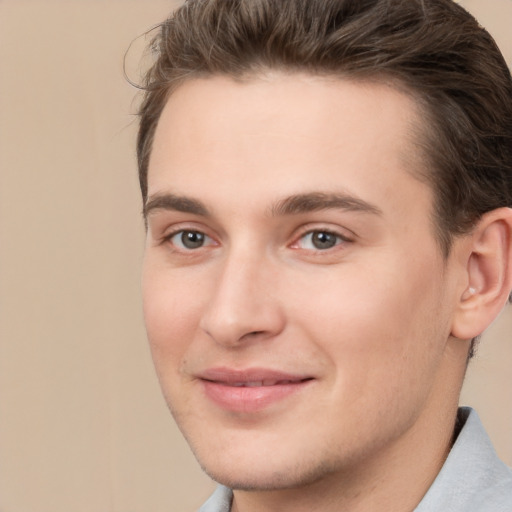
487, 279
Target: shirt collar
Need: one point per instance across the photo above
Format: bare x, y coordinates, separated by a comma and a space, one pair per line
472, 478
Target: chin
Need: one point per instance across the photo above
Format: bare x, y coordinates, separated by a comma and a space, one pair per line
253, 480
267, 475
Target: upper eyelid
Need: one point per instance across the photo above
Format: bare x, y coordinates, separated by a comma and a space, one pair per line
341, 237
341, 243
162, 220
342, 232
175, 247
330, 231
176, 227
173, 232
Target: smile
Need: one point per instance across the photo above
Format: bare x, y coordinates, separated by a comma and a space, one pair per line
258, 383
249, 391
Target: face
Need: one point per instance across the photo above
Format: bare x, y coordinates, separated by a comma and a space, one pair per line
296, 300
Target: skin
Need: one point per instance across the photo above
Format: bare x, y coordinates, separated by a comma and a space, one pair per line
368, 320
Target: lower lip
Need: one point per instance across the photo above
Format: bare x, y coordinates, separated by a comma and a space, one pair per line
250, 399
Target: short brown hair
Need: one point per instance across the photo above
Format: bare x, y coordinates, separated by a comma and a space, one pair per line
433, 49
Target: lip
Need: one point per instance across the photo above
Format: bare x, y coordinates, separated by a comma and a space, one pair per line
250, 390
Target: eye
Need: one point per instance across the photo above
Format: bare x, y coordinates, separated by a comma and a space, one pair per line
320, 240
189, 240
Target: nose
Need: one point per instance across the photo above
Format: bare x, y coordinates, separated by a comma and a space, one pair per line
244, 306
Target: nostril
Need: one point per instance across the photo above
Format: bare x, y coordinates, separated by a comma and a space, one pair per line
253, 334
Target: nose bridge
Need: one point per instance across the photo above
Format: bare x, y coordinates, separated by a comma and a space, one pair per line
243, 304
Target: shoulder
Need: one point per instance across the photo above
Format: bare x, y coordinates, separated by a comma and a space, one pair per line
473, 478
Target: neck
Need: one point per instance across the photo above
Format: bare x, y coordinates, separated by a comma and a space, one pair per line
391, 479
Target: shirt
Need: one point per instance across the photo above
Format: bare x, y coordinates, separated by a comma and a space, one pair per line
472, 479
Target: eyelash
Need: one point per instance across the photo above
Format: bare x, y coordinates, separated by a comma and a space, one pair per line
339, 239
168, 238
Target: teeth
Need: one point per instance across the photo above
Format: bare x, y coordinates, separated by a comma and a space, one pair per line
259, 383
276, 382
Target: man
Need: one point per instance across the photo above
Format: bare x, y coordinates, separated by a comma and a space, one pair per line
327, 188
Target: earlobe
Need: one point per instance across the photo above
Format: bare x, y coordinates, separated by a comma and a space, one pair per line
488, 275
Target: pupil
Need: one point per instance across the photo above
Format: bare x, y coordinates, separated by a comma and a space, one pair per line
192, 239
323, 240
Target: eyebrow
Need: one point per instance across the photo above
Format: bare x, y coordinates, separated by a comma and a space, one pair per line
292, 205
316, 201
176, 203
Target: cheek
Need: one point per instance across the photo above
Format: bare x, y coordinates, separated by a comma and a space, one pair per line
377, 325
170, 315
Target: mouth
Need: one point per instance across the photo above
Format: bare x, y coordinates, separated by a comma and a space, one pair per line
251, 390
260, 383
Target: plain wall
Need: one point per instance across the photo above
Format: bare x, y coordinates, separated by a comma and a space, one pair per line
83, 427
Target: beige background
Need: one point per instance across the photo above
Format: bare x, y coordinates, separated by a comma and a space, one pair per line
82, 424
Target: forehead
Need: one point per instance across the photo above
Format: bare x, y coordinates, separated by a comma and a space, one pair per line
284, 132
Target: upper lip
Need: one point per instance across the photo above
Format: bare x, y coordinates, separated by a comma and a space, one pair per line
250, 376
